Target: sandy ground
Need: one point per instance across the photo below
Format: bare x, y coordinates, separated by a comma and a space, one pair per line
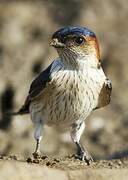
68, 168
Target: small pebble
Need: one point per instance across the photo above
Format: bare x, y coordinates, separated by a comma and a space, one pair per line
119, 163
29, 160
44, 157
48, 164
36, 161
13, 157
53, 163
56, 160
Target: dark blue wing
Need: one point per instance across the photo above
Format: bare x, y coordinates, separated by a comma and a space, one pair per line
37, 85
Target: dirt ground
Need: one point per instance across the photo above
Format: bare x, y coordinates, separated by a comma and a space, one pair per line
68, 168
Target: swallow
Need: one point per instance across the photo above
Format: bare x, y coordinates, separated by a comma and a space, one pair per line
70, 88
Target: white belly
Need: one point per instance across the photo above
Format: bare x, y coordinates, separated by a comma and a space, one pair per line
70, 96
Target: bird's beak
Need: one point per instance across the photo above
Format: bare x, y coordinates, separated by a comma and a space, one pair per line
55, 43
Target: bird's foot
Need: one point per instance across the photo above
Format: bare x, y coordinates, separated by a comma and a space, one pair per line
36, 154
84, 156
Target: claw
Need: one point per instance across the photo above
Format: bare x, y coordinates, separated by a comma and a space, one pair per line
36, 155
84, 157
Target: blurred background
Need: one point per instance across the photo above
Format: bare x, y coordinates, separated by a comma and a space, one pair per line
25, 30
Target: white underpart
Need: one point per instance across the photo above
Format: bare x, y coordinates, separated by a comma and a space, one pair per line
54, 107
80, 61
89, 82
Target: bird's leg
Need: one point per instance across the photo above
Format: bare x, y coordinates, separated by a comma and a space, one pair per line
76, 132
36, 153
38, 137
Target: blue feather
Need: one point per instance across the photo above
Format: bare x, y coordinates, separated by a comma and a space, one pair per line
73, 30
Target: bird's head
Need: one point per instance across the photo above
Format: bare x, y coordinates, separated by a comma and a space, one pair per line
77, 46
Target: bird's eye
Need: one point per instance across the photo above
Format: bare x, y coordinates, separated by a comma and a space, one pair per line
63, 40
79, 40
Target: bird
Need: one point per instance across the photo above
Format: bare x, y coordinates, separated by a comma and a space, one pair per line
70, 88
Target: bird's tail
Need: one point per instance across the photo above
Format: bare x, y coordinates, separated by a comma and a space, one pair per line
11, 113
22, 111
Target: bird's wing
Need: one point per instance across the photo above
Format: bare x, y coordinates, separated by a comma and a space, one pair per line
39, 84
43, 78
105, 94
36, 87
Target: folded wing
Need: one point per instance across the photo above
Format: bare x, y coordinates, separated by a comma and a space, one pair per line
105, 94
36, 88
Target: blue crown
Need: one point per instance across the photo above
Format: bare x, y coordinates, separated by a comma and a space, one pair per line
70, 30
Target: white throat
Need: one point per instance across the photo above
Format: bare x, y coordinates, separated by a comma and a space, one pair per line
79, 62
